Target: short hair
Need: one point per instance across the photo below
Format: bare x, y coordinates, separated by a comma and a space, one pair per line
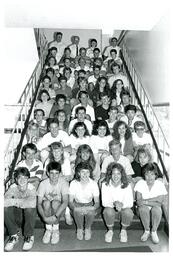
80, 108
81, 166
58, 33
82, 71
130, 107
110, 168
114, 142
30, 146
66, 69
46, 77
50, 70
52, 121
54, 166
60, 96
37, 110
96, 66
113, 108
115, 65
82, 92
21, 171
96, 49
113, 50
53, 48
41, 92
103, 94
67, 48
150, 167
139, 123
113, 38
62, 78
81, 49
124, 92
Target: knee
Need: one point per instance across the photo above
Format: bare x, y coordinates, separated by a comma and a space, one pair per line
55, 204
128, 212
143, 209
46, 205
156, 210
109, 212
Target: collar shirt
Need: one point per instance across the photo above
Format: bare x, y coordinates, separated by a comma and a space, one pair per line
74, 50
60, 49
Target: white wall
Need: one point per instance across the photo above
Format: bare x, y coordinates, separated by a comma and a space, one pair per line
84, 34
150, 50
21, 57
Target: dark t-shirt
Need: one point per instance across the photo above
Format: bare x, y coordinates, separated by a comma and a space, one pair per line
101, 113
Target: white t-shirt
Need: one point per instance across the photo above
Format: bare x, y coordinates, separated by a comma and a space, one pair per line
110, 194
92, 79
146, 139
76, 142
47, 139
89, 111
124, 161
47, 190
86, 122
84, 194
96, 142
158, 189
109, 48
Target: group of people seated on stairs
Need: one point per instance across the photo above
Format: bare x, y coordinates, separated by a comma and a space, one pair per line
87, 151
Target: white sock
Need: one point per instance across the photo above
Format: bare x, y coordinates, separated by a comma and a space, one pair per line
55, 227
48, 227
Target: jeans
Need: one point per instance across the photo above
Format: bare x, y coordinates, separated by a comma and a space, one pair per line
13, 219
125, 215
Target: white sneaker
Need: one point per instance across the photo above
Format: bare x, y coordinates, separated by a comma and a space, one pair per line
123, 236
79, 234
154, 237
68, 219
55, 237
47, 236
108, 236
11, 242
28, 243
87, 234
145, 236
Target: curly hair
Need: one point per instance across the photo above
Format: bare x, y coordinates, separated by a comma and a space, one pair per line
116, 134
79, 124
80, 167
91, 161
150, 167
110, 168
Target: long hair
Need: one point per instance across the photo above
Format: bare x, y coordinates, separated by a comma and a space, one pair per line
79, 124
110, 168
116, 134
80, 167
91, 161
143, 150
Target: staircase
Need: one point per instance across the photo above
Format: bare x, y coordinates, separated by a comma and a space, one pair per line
139, 96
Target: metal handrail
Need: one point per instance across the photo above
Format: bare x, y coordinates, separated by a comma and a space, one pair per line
137, 92
27, 101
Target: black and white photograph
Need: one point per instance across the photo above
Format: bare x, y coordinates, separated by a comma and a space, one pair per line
86, 126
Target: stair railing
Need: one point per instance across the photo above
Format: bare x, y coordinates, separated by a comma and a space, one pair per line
26, 102
140, 97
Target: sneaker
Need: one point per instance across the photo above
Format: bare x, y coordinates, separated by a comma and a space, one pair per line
79, 234
47, 236
145, 236
108, 236
154, 237
55, 237
11, 242
87, 234
68, 219
123, 236
28, 243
